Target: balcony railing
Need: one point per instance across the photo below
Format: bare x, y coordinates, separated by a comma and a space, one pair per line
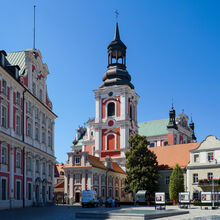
208, 182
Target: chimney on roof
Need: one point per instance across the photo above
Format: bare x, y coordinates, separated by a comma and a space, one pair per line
108, 162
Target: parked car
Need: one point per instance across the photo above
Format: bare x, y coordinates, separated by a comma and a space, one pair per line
89, 198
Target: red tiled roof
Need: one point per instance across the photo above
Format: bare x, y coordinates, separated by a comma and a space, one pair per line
169, 156
117, 168
96, 162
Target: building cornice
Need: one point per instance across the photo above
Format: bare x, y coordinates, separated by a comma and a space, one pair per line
16, 141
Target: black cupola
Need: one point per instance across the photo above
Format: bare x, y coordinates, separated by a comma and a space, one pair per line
172, 119
116, 73
117, 50
192, 126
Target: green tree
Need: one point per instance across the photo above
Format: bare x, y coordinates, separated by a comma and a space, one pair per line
176, 184
141, 165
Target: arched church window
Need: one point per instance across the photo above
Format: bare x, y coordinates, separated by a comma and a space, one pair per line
111, 109
131, 112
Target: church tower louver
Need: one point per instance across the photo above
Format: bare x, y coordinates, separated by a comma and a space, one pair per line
116, 105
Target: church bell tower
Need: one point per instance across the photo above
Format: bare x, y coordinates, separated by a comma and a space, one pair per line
116, 106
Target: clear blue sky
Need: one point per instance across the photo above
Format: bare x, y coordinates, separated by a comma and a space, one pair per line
173, 51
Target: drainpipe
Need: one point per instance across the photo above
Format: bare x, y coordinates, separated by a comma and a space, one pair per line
23, 148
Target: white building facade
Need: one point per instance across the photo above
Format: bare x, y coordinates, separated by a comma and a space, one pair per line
203, 171
26, 131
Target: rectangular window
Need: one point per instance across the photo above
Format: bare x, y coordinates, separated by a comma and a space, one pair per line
103, 192
49, 123
96, 177
195, 178
77, 179
50, 170
29, 164
29, 129
18, 190
103, 180
37, 133
4, 189
44, 168
4, 117
18, 159
18, 125
29, 191
43, 137
29, 107
36, 113
116, 181
18, 98
165, 143
43, 118
41, 95
77, 160
196, 158
34, 88
4, 155
116, 193
210, 156
167, 180
210, 175
49, 139
37, 166
49, 192
4, 87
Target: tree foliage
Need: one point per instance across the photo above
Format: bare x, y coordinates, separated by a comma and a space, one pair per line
176, 184
141, 165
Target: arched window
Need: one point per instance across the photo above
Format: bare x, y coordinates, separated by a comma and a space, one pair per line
131, 112
111, 142
111, 109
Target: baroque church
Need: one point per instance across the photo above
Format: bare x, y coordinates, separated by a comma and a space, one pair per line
116, 115
97, 160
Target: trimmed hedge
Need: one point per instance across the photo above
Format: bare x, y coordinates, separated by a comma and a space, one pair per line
198, 203
152, 203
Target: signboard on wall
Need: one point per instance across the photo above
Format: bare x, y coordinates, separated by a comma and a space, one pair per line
160, 198
184, 197
206, 197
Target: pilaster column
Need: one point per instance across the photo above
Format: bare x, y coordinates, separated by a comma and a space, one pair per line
65, 184
83, 181
90, 186
97, 140
98, 109
71, 188
123, 107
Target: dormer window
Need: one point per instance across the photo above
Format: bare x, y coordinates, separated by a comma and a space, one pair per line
4, 87
196, 158
111, 109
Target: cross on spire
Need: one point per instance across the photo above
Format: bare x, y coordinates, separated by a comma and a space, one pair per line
116, 15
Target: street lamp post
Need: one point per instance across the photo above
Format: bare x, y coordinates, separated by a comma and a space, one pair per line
213, 189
